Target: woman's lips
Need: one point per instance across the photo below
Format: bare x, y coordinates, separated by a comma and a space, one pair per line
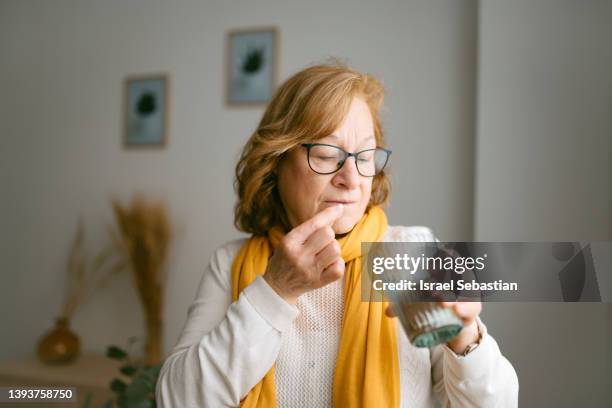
339, 202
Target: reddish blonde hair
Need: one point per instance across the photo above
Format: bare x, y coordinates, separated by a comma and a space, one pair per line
310, 105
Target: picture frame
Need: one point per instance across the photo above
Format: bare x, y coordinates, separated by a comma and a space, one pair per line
251, 65
145, 110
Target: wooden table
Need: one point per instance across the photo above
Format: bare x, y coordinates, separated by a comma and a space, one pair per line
88, 373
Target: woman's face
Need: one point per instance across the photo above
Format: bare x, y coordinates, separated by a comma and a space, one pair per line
304, 193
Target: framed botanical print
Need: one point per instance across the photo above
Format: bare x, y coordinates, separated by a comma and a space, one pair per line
145, 110
251, 66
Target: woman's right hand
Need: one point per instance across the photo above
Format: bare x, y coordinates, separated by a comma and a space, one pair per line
307, 258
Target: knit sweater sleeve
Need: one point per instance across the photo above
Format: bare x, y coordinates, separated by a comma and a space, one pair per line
225, 347
483, 378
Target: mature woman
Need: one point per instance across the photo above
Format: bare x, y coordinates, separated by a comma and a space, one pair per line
278, 318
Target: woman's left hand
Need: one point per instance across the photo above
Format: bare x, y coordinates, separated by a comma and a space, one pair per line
467, 312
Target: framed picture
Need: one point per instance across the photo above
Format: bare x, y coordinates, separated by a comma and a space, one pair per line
251, 66
145, 110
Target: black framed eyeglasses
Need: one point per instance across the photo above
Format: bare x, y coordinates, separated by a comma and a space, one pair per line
328, 159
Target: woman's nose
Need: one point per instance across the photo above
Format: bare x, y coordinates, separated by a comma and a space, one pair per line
347, 176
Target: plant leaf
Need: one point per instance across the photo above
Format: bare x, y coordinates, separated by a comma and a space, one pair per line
122, 402
143, 404
116, 353
137, 390
118, 386
128, 370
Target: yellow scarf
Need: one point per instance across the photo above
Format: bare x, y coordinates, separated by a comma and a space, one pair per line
367, 366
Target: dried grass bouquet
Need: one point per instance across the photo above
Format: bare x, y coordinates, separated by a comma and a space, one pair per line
144, 237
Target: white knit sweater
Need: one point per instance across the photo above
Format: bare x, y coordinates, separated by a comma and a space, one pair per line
227, 347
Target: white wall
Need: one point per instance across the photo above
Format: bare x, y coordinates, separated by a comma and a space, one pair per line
545, 124
543, 173
61, 69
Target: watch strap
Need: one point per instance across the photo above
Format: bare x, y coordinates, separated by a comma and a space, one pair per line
473, 346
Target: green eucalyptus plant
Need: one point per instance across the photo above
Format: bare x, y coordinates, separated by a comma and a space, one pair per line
139, 392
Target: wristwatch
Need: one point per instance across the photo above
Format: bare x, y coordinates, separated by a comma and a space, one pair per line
472, 346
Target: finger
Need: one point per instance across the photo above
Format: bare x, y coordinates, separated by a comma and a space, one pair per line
453, 305
465, 310
319, 240
328, 255
321, 219
390, 311
468, 310
332, 273
456, 303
